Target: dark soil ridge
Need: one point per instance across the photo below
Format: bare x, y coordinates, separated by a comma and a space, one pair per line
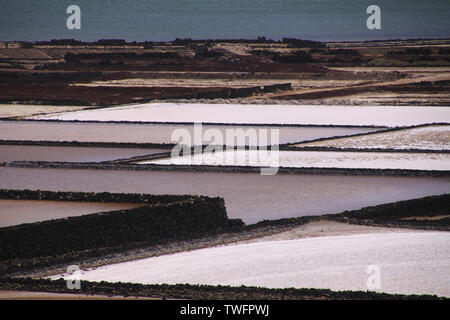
27, 76
135, 159
63, 94
424, 86
168, 146
21, 76
243, 169
391, 214
198, 292
88, 144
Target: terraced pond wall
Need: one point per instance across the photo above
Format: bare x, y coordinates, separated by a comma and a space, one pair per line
171, 218
90, 196
395, 213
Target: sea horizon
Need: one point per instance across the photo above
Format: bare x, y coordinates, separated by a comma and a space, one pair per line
140, 20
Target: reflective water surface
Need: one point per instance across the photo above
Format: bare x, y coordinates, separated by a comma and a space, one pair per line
249, 196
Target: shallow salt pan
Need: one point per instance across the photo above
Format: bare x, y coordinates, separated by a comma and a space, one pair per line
263, 114
149, 133
318, 159
249, 196
70, 154
409, 263
426, 138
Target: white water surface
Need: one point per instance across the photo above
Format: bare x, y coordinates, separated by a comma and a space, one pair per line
409, 263
316, 159
424, 138
391, 116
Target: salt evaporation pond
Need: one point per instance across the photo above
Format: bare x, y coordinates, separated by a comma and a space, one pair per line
425, 138
249, 196
148, 133
14, 212
317, 159
70, 154
409, 263
263, 114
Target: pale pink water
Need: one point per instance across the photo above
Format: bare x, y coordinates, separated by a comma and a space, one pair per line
249, 196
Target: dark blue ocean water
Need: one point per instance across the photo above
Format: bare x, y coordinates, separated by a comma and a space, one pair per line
329, 20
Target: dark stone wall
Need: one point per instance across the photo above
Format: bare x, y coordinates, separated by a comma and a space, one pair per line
190, 168
91, 196
393, 214
428, 206
198, 292
152, 223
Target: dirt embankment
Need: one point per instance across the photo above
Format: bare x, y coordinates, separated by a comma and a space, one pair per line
198, 292
208, 168
413, 86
